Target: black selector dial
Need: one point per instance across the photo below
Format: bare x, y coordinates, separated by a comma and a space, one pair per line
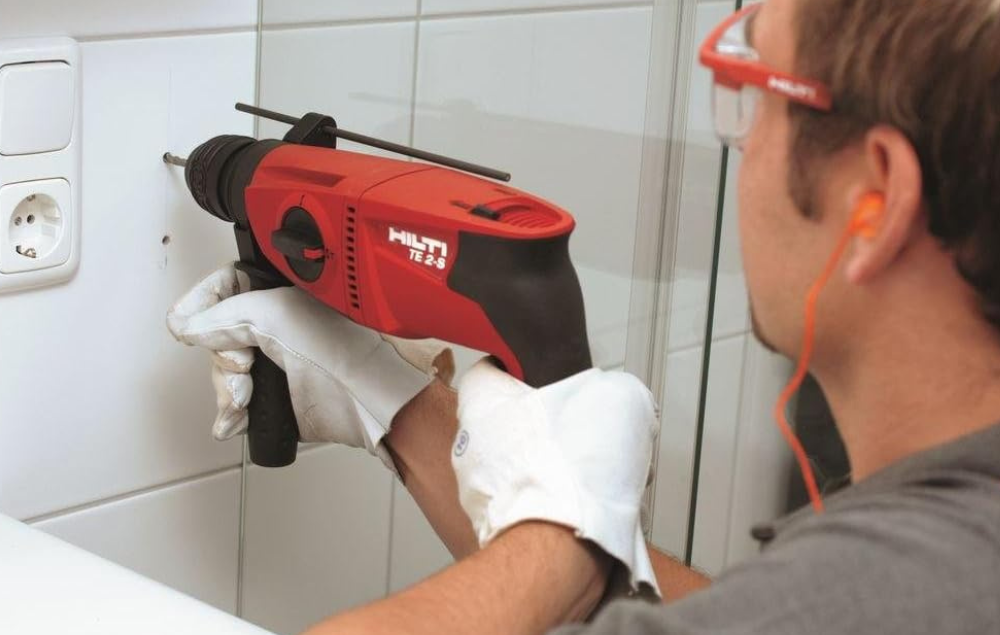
301, 242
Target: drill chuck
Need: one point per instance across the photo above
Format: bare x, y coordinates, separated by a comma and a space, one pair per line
210, 172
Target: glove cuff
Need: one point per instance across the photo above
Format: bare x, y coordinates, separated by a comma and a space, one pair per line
612, 527
617, 530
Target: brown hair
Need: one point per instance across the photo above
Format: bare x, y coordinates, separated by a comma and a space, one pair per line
931, 69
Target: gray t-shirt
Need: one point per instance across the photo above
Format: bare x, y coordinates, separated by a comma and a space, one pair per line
913, 549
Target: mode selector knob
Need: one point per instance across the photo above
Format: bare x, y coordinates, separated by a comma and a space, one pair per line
300, 241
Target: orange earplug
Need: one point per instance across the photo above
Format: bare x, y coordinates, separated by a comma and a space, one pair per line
868, 215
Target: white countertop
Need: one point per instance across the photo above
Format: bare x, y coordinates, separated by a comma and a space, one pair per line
48, 586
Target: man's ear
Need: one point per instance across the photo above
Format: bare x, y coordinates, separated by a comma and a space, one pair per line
892, 171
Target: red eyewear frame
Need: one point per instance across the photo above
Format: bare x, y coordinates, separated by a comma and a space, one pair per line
734, 72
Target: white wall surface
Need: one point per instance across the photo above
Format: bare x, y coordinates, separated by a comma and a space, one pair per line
104, 419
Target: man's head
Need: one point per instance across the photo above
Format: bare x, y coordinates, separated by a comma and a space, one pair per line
915, 117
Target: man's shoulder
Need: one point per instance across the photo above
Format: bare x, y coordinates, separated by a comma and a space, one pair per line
915, 551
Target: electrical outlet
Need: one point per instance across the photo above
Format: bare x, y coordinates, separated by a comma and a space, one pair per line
35, 225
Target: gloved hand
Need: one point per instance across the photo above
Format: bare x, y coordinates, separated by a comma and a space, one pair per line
346, 381
575, 453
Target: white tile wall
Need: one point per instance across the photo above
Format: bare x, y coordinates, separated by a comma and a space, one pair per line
719, 451
317, 537
101, 400
97, 401
676, 448
184, 536
675, 456
531, 94
103, 18
362, 75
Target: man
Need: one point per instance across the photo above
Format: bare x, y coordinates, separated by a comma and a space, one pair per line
888, 106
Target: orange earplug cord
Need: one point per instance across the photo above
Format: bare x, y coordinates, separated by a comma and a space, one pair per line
864, 223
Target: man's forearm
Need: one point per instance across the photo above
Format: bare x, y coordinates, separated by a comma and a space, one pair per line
532, 578
676, 580
420, 442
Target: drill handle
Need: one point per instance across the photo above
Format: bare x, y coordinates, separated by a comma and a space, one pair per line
273, 432
531, 294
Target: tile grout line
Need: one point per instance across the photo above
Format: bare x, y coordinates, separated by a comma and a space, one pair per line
434, 17
117, 498
241, 537
241, 533
570, 8
176, 33
412, 133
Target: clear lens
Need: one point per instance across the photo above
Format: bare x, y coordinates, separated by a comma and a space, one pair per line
734, 42
734, 112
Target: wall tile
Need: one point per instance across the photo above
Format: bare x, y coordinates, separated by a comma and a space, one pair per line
722, 421
532, 94
317, 537
764, 463
431, 7
96, 398
302, 11
361, 74
417, 552
693, 242
675, 457
185, 536
121, 17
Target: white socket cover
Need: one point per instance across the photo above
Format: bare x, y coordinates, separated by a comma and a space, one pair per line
40, 218
40, 183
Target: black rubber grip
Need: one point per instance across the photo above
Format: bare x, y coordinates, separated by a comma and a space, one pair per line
531, 294
273, 433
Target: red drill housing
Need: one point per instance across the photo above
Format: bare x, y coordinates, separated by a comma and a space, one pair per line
408, 249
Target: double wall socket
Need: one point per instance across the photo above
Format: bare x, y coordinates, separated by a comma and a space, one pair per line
40, 152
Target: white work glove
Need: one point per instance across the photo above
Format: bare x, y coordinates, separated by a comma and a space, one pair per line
576, 453
346, 381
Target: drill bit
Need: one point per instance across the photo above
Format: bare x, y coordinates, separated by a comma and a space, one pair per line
173, 159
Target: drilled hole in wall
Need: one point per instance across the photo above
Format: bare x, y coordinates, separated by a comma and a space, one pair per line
166, 240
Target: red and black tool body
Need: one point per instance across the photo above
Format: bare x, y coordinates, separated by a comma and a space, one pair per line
408, 249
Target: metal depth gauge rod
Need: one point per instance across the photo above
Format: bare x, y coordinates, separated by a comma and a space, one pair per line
347, 135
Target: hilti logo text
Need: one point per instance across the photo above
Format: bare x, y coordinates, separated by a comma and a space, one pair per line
790, 88
426, 251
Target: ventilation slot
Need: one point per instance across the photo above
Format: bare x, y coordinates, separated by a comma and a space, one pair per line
352, 264
527, 217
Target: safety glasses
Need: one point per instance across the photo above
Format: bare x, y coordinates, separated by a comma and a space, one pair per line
739, 78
